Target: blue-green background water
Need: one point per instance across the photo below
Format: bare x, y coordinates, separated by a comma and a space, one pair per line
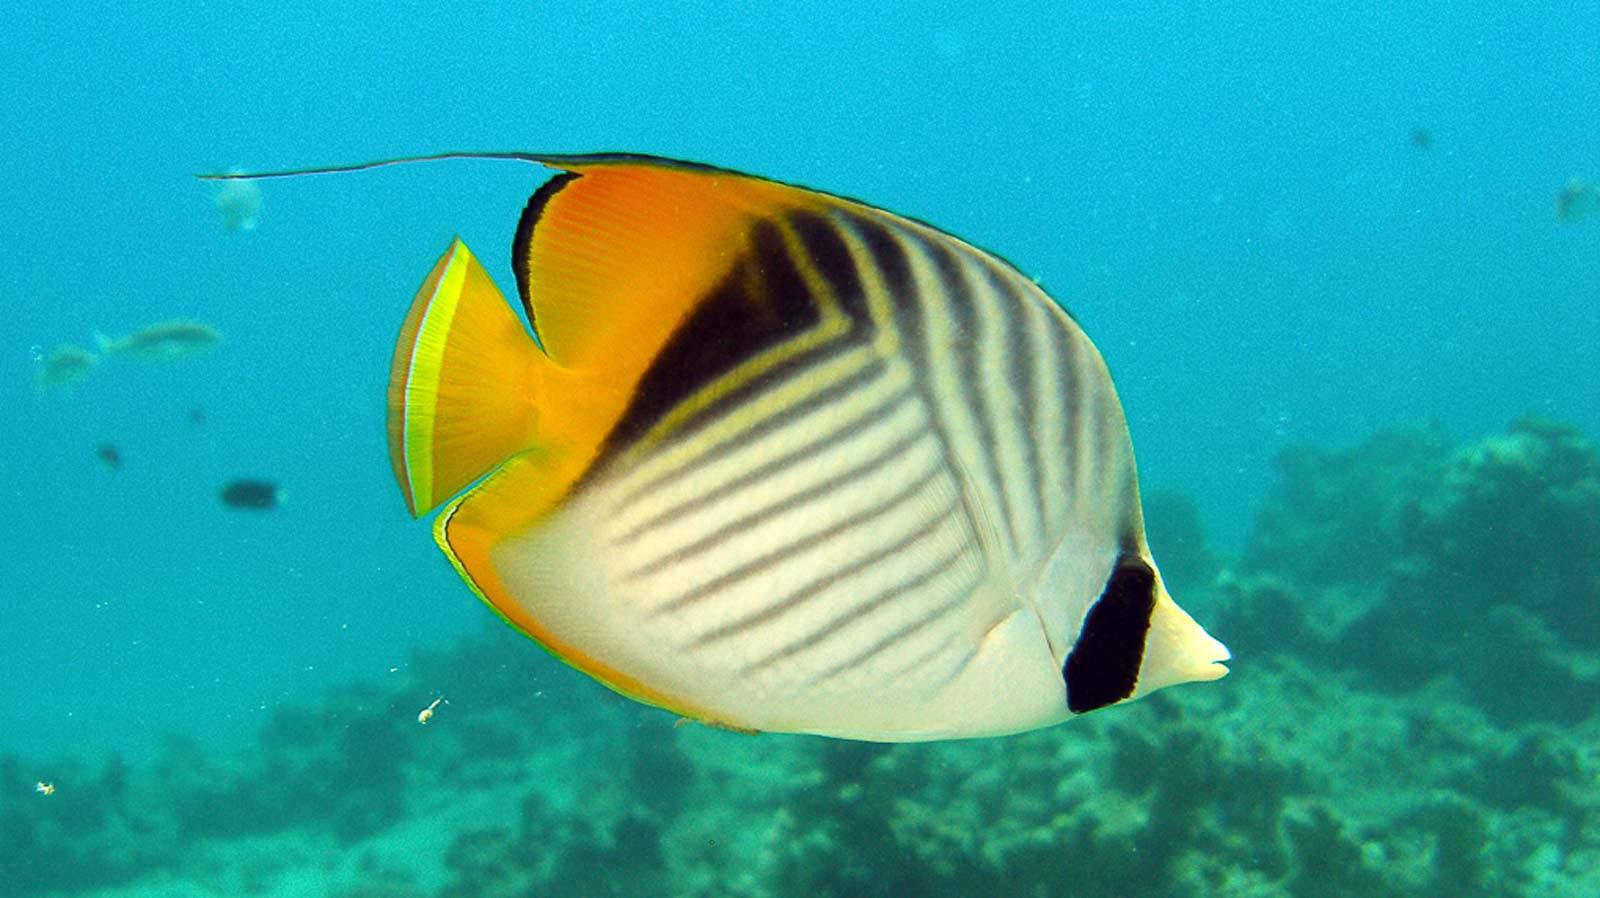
1228, 198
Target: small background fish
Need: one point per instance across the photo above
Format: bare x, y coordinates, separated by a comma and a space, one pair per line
251, 495
169, 341
65, 367
1577, 201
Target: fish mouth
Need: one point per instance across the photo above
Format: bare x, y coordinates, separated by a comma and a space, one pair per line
1217, 666
1179, 650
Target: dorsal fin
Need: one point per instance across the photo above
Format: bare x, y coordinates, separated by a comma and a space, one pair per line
612, 253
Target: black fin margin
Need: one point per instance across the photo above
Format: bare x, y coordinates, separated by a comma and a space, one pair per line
1103, 666
524, 237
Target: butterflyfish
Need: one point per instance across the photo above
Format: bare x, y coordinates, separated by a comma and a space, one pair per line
774, 459
168, 341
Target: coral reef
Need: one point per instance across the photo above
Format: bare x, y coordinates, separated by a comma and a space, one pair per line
1246, 795
1515, 521
1411, 563
1414, 712
83, 835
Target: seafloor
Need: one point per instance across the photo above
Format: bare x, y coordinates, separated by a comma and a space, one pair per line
1414, 710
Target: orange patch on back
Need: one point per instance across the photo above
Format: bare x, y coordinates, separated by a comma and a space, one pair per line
619, 254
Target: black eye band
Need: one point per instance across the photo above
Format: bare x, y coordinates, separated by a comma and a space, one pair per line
1103, 667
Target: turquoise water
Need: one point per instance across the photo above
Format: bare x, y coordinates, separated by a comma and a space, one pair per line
1229, 200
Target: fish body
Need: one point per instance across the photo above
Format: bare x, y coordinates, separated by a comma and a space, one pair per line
65, 367
784, 461
169, 341
109, 455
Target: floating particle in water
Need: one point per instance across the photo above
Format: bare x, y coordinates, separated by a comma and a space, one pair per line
1421, 138
197, 416
252, 495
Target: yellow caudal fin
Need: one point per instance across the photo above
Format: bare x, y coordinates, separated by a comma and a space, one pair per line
463, 384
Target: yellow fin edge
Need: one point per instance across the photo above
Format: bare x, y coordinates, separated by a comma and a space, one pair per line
463, 384
427, 356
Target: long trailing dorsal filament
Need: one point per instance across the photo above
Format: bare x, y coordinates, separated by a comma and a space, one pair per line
502, 156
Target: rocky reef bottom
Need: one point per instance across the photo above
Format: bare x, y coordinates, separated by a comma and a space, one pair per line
1414, 710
